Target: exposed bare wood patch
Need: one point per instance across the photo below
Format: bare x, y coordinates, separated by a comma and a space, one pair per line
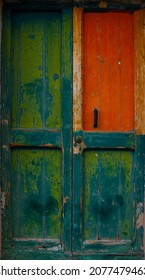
140, 72
77, 69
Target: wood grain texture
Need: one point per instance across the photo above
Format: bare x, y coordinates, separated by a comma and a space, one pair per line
77, 69
140, 72
108, 71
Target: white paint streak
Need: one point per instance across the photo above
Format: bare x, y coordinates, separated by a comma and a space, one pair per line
77, 69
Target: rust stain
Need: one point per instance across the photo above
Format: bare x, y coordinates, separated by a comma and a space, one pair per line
46, 145
17, 145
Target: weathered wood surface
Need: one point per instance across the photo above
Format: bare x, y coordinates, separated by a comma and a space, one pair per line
77, 69
101, 4
109, 87
140, 72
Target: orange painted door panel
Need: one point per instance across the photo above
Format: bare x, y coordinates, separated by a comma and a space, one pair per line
108, 71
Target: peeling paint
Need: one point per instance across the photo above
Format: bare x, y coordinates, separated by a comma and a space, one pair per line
3, 200
4, 122
5, 147
65, 199
140, 216
78, 148
103, 4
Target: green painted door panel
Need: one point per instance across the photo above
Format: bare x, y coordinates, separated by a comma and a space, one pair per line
36, 67
37, 80
36, 193
107, 195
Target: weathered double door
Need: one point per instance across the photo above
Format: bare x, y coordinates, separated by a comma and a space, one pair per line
69, 175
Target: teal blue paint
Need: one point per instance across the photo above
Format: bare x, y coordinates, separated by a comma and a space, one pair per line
66, 92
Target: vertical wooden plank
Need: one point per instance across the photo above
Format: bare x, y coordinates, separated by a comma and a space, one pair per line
53, 108
77, 69
6, 89
109, 194
66, 92
90, 65
140, 72
91, 218
126, 190
127, 71
0, 135
77, 127
109, 73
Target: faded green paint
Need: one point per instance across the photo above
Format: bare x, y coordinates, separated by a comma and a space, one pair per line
37, 95
36, 193
37, 82
108, 200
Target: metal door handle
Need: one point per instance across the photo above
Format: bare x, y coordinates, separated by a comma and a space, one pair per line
95, 117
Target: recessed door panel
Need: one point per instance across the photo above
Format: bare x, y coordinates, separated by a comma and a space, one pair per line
107, 195
108, 71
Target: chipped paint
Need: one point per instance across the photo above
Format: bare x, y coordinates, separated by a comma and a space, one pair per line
103, 4
3, 200
65, 199
140, 216
78, 147
5, 147
5, 122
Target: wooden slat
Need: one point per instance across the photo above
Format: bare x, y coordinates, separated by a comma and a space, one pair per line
77, 69
67, 66
140, 72
0, 133
90, 68
109, 140
127, 71
20, 137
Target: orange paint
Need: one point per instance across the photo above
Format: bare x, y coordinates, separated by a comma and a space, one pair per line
108, 71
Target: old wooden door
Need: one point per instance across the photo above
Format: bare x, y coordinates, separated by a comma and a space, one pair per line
107, 159
37, 123
56, 206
